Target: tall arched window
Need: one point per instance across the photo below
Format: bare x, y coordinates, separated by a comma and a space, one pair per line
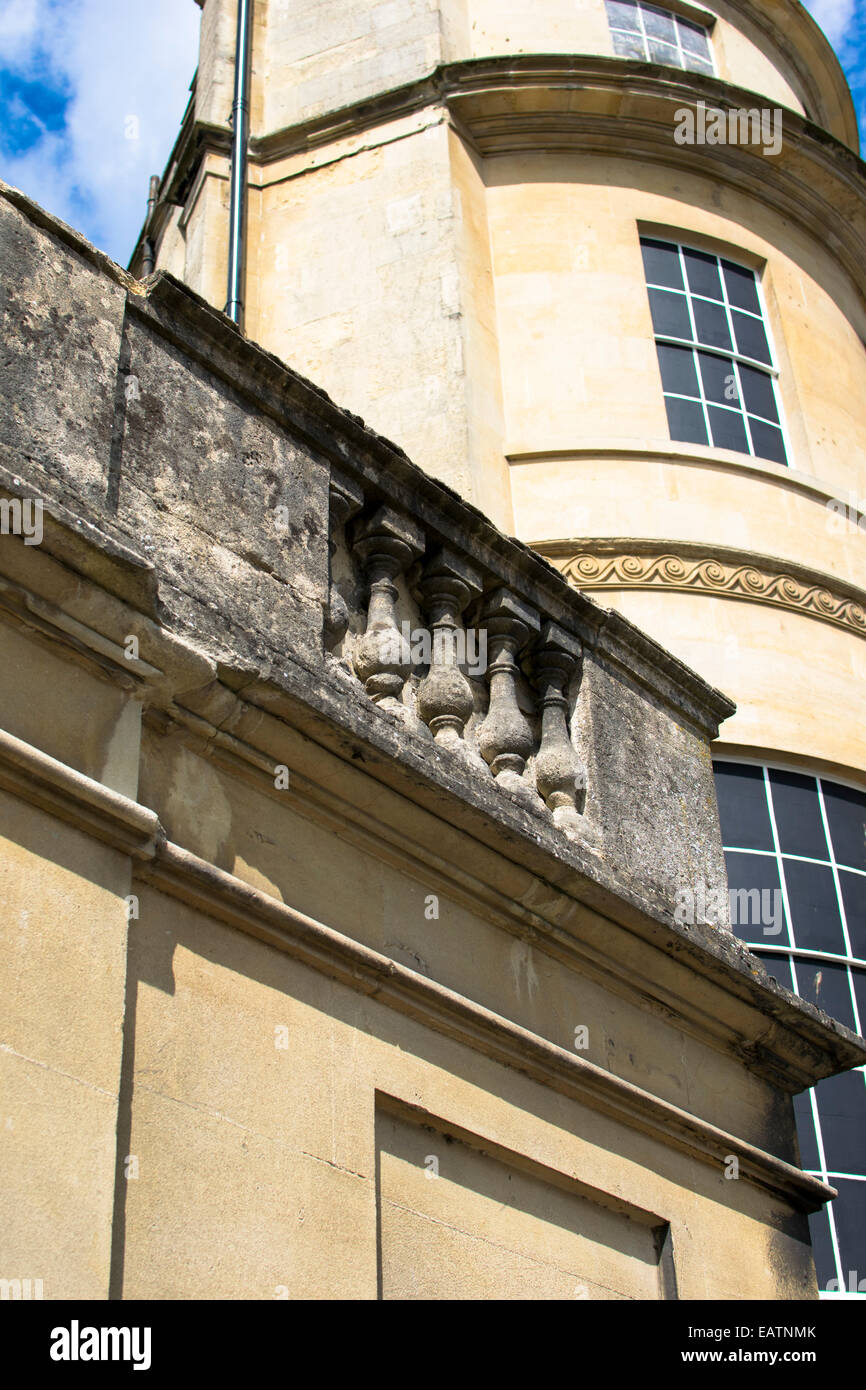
716, 361
795, 846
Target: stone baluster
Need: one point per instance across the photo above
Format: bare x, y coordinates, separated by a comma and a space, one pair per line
386, 545
559, 773
445, 695
505, 738
345, 499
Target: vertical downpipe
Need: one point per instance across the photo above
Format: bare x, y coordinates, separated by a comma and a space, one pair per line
240, 139
148, 254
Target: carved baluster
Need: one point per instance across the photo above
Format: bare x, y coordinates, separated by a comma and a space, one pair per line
345, 498
559, 773
505, 738
386, 544
445, 695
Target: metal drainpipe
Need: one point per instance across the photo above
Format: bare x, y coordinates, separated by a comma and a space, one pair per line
148, 254
240, 139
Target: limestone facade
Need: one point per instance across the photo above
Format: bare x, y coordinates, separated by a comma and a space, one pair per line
446, 205
331, 968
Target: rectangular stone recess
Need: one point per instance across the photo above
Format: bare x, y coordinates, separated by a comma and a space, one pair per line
493, 1224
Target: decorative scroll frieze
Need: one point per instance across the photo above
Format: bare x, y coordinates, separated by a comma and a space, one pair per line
559, 773
709, 575
445, 696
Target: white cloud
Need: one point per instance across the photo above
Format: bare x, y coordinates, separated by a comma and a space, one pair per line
18, 28
128, 67
834, 16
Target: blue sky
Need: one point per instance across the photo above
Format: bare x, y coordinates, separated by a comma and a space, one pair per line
92, 93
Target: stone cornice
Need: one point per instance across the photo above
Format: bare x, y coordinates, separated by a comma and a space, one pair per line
613, 107
131, 828
279, 691
207, 889
332, 738
105, 815
794, 1051
676, 454
790, 29
718, 570
617, 108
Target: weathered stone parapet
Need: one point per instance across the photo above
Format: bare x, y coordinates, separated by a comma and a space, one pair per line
505, 738
187, 477
559, 773
445, 696
386, 545
345, 498
389, 657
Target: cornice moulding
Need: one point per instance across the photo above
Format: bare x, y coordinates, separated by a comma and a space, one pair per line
681, 455
207, 889
793, 1050
791, 29
787, 27
125, 825
718, 570
43, 781
614, 107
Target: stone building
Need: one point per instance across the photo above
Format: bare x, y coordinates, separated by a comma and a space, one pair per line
367, 907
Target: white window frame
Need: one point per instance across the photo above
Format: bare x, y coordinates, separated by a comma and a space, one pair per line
791, 953
675, 16
769, 369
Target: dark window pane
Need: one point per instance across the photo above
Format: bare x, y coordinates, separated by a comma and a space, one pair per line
741, 286
822, 1247
757, 913
780, 969
670, 314
711, 324
767, 441
662, 263
743, 812
622, 15
798, 814
729, 431
814, 907
854, 898
758, 395
702, 272
859, 978
849, 1211
846, 813
699, 65
751, 338
694, 39
842, 1111
809, 1156
686, 421
628, 45
664, 53
825, 986
719, 378
678, 370
660, 24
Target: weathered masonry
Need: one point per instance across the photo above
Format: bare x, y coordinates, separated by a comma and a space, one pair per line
326, 973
